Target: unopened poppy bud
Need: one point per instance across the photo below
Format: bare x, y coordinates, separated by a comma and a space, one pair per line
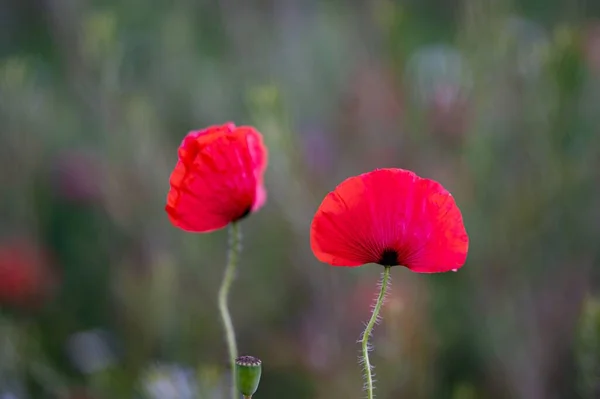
249, 370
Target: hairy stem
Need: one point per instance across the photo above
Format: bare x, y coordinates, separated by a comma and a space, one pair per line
235, 239
385, 280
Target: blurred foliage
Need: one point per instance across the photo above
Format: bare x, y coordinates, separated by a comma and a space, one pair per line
498, 100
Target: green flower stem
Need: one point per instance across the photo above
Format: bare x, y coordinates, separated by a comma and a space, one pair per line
235, 240
367, 333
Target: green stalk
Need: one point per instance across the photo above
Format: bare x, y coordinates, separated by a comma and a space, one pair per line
385, 280
235, 240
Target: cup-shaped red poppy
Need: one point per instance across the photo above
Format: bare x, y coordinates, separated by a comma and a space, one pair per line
218, 178
390, 217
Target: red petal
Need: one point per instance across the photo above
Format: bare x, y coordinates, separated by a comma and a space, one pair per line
195, 140
260, 157
218, 179
255, 147
439, 241
390, 210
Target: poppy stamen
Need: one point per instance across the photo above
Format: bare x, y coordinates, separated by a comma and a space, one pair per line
389, 257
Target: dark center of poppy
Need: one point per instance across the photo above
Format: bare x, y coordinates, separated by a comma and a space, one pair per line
389, 257
244, 214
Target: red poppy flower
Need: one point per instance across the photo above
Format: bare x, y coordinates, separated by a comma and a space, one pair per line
218, 178
390, 217
24, 275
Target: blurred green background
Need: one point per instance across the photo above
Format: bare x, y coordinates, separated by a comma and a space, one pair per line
101, 297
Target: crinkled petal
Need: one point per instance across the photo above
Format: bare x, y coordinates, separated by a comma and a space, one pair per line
217, 185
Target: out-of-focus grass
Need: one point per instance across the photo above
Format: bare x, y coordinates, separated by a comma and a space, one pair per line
496, 100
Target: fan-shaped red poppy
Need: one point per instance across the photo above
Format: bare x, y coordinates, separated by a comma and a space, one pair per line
390, 217
218, 178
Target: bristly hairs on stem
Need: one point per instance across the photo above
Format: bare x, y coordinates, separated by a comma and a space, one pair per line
235, 247
366, 347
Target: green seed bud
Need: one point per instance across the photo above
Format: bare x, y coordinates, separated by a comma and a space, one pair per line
249, 370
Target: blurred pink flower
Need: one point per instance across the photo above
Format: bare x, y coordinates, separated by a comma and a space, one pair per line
449, 111
377, 93
373, 105
440, 80
77, 177
319, 152
592, 48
